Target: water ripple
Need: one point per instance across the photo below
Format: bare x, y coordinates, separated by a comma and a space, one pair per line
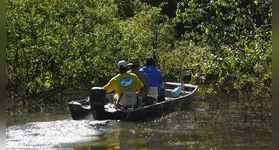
43, 135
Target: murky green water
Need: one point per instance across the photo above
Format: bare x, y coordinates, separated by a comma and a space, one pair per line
194, 128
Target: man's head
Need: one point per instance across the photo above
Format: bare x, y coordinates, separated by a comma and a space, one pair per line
149, 61
134, 63
122, 66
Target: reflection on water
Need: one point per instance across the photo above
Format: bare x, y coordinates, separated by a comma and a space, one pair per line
191, 129
51, 134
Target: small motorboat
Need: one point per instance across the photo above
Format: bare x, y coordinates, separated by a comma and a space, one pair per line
99, 105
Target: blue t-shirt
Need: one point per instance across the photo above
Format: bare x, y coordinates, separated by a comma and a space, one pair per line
155, 77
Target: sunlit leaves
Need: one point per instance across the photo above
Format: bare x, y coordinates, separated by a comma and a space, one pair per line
238, 36
54, 43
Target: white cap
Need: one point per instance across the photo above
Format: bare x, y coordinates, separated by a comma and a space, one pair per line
122, 64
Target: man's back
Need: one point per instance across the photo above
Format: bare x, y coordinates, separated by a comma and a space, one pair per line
143, 78
127, 82
154, 75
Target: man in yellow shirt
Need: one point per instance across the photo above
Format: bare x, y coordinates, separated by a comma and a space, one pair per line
123, 82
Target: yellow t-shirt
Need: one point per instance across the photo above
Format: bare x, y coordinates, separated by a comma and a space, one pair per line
127, 82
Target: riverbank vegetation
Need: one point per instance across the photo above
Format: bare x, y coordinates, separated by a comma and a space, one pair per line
224, 46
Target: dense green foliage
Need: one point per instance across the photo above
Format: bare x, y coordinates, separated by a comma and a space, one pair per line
222, 44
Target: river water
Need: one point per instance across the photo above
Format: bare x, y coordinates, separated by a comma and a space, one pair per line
198, 127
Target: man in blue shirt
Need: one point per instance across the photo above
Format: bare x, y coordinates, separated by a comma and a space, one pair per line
154, 75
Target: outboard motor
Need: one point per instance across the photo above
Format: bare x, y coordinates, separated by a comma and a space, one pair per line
97, 102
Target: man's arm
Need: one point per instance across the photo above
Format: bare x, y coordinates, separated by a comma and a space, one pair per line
109, 86
139, 85
147, 86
